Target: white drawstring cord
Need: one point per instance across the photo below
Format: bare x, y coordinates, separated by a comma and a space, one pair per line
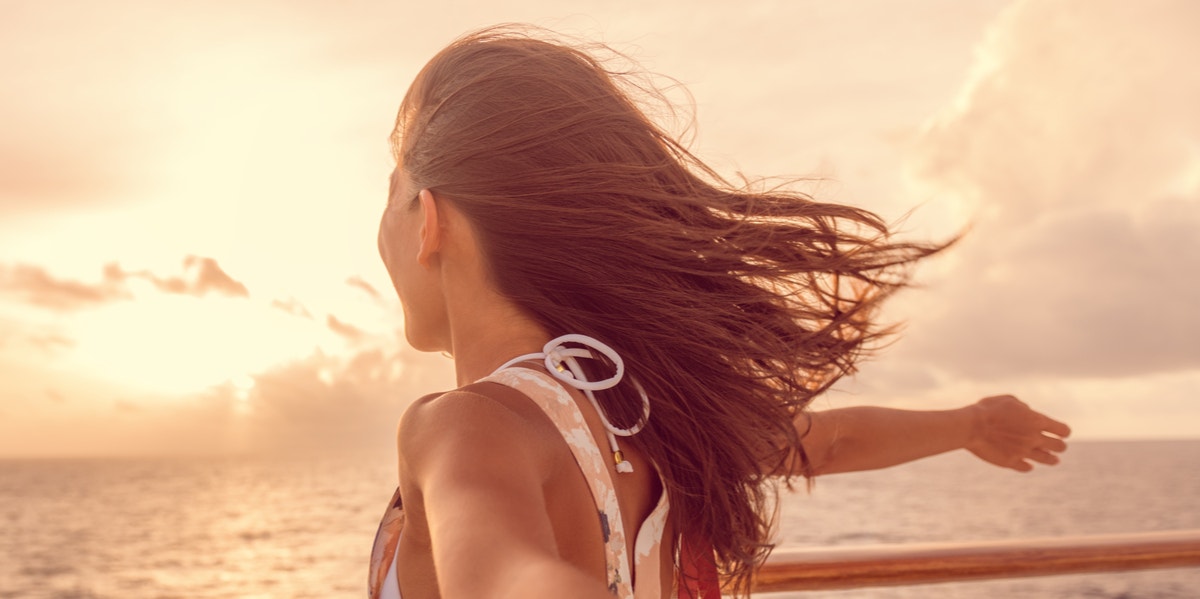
561, 364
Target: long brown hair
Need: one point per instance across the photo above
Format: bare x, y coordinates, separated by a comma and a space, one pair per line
733, 307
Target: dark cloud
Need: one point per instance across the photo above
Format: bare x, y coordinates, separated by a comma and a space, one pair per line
1095, 293
349, 332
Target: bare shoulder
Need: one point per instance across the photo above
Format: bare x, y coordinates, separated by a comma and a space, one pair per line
475, 468
481, 423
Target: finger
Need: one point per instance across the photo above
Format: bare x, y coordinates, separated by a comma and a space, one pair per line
1054, 444
1043, 457
1055, 427
1021, 466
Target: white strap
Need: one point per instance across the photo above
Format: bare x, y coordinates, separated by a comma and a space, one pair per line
561, 363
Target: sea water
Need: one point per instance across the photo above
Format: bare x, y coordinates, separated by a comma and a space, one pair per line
1099, 488
302, 527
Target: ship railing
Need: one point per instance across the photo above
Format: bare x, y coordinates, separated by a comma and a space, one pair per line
847, 567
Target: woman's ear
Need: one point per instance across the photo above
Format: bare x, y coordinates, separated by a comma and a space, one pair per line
431, 228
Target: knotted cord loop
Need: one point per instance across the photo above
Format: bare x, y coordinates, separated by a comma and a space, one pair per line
561, 363
557, 354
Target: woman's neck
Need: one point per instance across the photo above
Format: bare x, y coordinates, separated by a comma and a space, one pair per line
485, 328
482, 356
486, 334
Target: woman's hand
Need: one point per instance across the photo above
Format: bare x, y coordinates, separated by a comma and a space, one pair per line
1001, 430
1010, 434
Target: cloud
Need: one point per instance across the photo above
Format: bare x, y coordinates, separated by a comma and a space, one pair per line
291, 306
1072, 103
349, 332
25, 340
1079, 293
326, 403
1077, 140
201, 276
33, 285
349, 399
358, 282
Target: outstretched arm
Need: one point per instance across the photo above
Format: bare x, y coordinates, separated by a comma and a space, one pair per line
1001, 430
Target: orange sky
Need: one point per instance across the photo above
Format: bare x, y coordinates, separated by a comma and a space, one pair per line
189, 195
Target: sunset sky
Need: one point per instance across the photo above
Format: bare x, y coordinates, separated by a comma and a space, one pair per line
189, 196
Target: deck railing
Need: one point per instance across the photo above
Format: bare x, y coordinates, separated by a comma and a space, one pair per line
803, 569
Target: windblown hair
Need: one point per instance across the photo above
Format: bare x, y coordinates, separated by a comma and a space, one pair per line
732, 306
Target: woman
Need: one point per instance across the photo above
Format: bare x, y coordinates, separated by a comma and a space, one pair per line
635, 342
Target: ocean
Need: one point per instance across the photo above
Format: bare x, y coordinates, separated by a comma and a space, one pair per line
302, 527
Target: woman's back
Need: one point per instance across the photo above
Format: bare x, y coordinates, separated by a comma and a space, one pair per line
517, 430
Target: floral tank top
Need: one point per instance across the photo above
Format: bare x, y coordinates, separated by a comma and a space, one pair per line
558, 404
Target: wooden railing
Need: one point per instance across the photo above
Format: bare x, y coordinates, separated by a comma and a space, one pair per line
802, 569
